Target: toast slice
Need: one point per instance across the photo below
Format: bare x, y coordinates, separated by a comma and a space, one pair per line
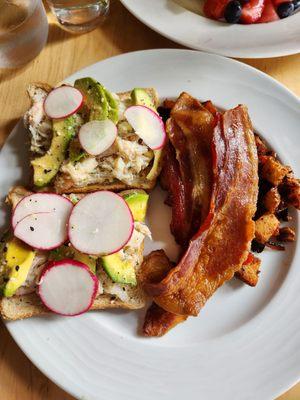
29, 305
40, 128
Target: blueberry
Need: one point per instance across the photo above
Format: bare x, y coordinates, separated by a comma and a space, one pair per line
233, 12
285, 9
296, 4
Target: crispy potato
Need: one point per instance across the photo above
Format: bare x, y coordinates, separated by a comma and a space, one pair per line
290, 191
273, 171
286, 234
265, 227
249, 273
262, 149
271, 200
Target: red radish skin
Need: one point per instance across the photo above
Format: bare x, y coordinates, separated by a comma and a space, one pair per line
62, 105
64, 277
37, 229
96, 137
85, 210
39, 202
137, 115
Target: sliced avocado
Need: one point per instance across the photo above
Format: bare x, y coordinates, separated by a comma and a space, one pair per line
100, 102
137, 202
118, 270
94, 98
46, 167
75, 151
86, 259
113, 108
19, 259
69, 252
141, 98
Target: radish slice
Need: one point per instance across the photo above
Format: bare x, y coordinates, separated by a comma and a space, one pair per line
97, 136
43, 231
41, 203
68, 287
62, 102
100, 223
147, 125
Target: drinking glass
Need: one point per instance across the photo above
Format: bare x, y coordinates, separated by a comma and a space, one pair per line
23, 31
79, 16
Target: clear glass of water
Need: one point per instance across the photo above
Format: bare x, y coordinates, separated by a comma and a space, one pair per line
23, 31
79, 16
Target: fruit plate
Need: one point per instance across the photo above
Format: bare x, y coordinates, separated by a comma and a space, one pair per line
183, 22
245, 343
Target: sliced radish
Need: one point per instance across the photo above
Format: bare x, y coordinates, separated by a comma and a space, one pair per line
100, 223
68, 287
41, 203
62, 102
43, 231
147, 125
97, 136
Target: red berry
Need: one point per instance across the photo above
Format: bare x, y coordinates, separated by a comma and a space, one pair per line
215, 8
269, 13
252, 11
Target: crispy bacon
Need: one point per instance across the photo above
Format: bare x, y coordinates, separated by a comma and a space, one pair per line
159, 321
222, 243
190, 129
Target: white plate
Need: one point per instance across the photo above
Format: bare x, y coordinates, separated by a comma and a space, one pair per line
181, 21
245, 343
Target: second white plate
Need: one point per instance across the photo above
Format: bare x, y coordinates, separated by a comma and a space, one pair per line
181, 21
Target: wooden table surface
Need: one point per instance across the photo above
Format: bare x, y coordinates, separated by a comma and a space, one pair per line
63, 55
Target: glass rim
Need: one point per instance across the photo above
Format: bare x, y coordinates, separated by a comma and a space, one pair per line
33, 4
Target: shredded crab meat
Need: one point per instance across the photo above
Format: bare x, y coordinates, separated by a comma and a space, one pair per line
125, 164
39, 125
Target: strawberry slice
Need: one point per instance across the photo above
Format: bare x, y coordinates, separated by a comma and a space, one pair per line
269, 13
252, 11
215, 8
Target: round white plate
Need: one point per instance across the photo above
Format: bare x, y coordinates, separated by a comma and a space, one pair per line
181, 21
245, 343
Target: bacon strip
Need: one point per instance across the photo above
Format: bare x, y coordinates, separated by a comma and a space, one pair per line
190, 129
222, 243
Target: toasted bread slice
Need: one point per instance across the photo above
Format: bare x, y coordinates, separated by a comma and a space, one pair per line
30, 305
63, 183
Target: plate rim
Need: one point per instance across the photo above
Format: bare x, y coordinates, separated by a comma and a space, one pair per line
207, 49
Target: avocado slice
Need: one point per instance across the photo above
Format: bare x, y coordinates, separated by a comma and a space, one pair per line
137, 202
85, 259
46, 167
69, 252
19, 259
140, 97
94, 98
113, 108
118, 270
123, 271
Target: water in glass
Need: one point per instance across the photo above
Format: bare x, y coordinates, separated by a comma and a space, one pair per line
79, 15
23, 31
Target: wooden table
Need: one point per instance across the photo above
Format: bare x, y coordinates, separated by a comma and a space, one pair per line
63, 55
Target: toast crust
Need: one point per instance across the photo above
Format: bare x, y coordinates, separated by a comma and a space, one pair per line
64, 184
30, 305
